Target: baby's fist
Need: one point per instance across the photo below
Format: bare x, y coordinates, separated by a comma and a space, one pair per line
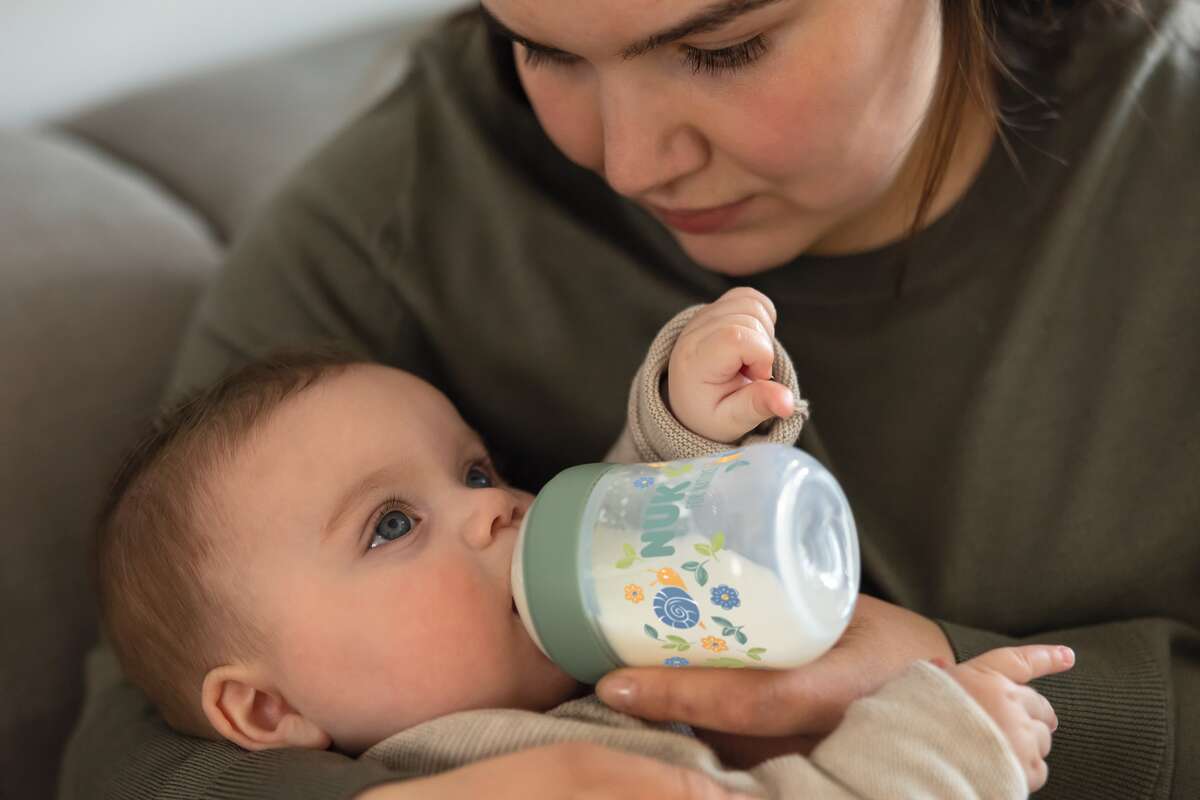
719, 377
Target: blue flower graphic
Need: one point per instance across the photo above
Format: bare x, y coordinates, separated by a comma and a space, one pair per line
644, 482
676, 661
726, 597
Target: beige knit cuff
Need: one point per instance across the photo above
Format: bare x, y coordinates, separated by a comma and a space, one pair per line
655, 433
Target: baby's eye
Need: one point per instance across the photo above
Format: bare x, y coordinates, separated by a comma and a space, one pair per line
479, 478
391, 526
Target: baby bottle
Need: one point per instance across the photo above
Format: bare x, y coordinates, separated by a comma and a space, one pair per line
748, 558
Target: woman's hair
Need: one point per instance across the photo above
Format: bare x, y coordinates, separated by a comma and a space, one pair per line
992, 44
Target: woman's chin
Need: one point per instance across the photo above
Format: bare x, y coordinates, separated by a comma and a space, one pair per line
737, 253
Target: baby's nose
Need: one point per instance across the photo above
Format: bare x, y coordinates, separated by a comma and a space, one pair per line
496, 511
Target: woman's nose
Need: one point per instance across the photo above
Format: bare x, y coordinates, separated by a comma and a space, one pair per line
646, 146
493, 510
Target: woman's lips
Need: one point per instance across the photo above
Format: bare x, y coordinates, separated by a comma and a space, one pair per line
701, 220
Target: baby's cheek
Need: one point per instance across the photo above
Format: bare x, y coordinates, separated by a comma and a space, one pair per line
391, 655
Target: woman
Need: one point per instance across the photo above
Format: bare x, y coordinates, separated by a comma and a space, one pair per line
978, 223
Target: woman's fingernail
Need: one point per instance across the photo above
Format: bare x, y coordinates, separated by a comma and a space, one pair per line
1068, 656
618, 692
938, 661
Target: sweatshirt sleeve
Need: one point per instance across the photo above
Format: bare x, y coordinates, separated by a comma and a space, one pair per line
920, 735
652, 433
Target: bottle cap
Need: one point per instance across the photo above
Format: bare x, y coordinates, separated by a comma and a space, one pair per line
546, 581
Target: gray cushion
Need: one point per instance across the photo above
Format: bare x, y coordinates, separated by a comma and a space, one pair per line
98, 273
222, 140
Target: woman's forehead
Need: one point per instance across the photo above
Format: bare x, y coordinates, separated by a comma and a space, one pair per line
622, 26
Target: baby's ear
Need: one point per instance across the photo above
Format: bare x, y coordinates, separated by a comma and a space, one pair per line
252, 713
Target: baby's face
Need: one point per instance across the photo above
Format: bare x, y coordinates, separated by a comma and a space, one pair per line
373, 545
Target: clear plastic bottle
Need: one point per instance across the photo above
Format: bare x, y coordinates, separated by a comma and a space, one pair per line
745, 558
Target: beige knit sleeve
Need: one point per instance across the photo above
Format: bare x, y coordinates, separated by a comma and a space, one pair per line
920, 735
652, 433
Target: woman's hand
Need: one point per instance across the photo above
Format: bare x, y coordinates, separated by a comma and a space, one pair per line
751, 715
719, 376
996, 680
575, 770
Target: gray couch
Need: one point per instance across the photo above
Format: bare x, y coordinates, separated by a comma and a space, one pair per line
111, 222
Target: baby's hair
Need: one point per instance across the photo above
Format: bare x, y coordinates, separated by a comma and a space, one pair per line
155, 554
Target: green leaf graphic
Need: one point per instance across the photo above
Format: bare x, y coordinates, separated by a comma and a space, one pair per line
756, 652
653, 634
701, 575
629, 551
703, 549
723, 621
690, 566
728, 631
718, 541
676, 639
625, 563
741, 637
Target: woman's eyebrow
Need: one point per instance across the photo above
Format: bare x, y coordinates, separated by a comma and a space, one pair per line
714, 16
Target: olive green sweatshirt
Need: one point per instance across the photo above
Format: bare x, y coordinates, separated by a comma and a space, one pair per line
1014, 416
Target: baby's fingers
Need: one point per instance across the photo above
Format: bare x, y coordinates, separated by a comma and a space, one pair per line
753, 404
742, 300
726, 349
1027, 662
1039, 708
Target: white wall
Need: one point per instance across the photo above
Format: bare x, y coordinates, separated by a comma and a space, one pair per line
58, 55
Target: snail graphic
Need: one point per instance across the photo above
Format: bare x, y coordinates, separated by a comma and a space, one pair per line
675, 607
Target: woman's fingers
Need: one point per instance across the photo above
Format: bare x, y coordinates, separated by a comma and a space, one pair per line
882, 640
755, 702
1027, 662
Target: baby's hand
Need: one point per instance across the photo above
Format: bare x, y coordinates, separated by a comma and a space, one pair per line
719, 376
995, 679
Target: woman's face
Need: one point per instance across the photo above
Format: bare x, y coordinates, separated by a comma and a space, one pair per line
755, 130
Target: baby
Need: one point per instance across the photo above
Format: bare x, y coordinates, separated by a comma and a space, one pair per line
315, 552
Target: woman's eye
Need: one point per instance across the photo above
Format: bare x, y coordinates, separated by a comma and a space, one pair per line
727, 59
479, 478
391, 526
541, 58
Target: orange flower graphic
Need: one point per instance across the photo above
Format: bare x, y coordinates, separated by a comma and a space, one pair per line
713, 643
634, 594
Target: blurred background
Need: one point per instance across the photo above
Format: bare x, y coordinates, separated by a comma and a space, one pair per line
58, 56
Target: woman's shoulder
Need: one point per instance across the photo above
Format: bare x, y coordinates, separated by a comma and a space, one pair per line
457, 126
1149, 37
1132, 84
